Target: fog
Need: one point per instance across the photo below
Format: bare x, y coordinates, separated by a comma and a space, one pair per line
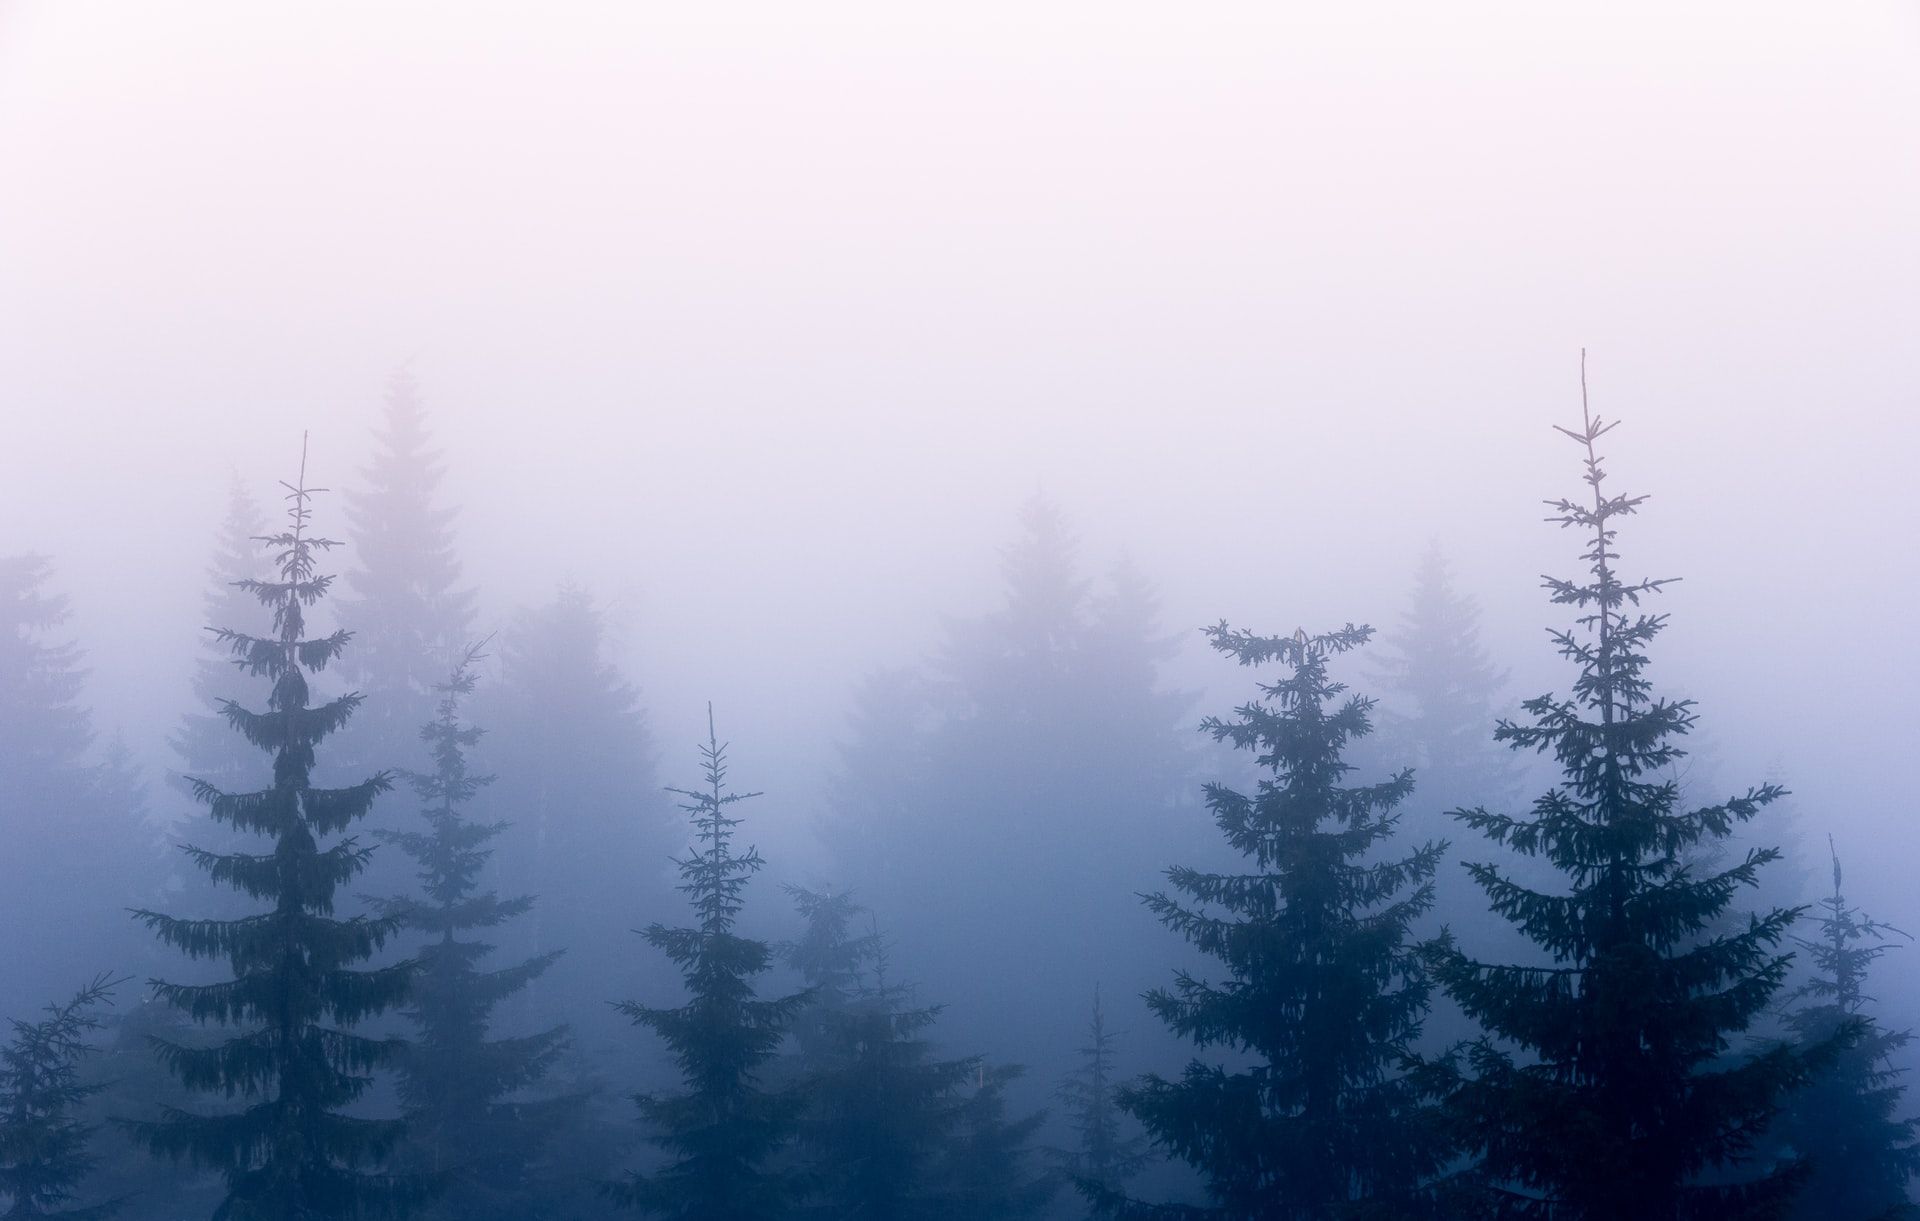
761, 323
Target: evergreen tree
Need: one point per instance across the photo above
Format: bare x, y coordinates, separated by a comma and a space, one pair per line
988, 1172
1039, 747
723, 1133
77, 822
1324, 990
467, 1123
1625, 1106
1859, 1156
880, 1108
406, 602
1105, 1155
294, 1151
574, 753
204, 743
44, 1155
1441, 688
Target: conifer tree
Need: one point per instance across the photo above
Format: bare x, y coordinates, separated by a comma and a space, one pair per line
204, 743
1105, 1155
44, 1154
1860, 1157
575, 757
293, 1151
724, 1131
1624, 1105
467, 1122
1324, 991
880, 1108
988, 1171
405, 598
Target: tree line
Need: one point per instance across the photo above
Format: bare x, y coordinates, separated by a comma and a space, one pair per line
1596, 1010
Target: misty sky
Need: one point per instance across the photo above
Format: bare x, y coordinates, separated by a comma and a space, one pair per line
762, 319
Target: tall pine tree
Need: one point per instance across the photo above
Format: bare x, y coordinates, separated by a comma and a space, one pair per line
1860, 1157
44, 1143
293, 1151
1104, 1154
1324, 991
1624, 1105
724, 1133
404, 595
469, 1123
880, 1106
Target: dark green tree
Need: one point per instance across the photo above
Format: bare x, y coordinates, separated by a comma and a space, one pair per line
293, 1150
1105, 1154
880, 1106
1625, 1104
1324, 990
44, 1143
469, 1122
1860, 1157
723, 1133
404, 595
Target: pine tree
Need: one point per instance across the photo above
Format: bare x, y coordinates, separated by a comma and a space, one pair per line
467, 1123
1038, 746
44, 1157
293, 1152
880, 1108
1441, 687
1324, 990
406, 602
575, 757
204, 743
1105, 1155
723, 1132
988, 1172
76, 818
1625, 1104
1860, 1158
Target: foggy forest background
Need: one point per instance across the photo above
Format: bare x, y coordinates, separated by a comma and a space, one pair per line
908, 397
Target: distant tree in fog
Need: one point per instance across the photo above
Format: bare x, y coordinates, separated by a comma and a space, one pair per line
204, 743
469, 1121
1105, 1154
1323, 992
1441, 689
880, 1107
45, 1153
1036, 755
724, 1134
77, 820
1622, 1102
989, 1170
575, 758
1860, 1157
294, 1149
405, 603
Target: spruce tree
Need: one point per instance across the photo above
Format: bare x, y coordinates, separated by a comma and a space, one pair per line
468, 1123
404, 595
724, 1132
1860, 1157
44, 1143
204, 743
880, 1107
988, 1172
1623, 1104
1323, 992
1104, 1154
293, 1150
